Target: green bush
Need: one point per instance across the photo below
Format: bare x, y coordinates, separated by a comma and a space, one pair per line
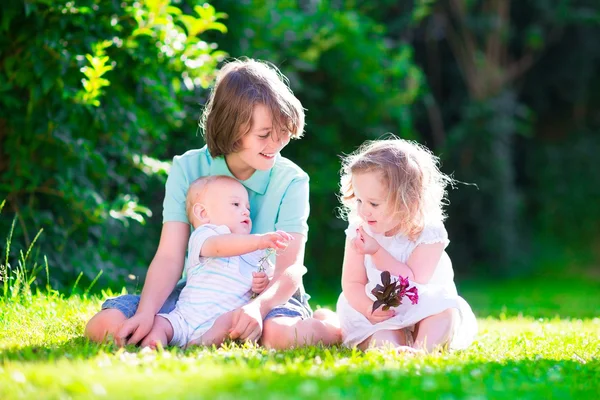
90, 94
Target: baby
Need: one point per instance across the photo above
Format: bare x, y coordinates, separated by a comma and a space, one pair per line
225, 265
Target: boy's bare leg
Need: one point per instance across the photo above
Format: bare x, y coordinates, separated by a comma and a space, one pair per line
161, 332
217, 333
436, 331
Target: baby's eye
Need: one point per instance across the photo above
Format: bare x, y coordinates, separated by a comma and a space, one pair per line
236, 204
374, 205
358, 200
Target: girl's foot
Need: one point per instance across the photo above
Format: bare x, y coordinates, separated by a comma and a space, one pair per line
409, 350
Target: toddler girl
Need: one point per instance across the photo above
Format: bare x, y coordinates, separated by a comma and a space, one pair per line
393, 196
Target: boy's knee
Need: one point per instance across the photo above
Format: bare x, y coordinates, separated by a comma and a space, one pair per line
276, 334
104, 325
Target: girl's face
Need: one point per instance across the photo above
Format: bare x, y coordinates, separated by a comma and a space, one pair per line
372, 205
260, 146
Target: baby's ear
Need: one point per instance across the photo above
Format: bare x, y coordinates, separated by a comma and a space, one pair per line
199, 211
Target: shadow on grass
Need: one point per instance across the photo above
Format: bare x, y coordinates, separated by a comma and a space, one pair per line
75, 349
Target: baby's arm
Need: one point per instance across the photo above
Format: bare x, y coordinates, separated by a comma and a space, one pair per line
354, 280
230, 245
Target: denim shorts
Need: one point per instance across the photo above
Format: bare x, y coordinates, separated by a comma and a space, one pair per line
296, 306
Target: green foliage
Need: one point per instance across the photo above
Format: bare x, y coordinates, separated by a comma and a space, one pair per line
90, 93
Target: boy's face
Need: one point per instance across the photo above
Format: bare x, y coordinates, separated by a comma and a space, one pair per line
226, 203
372, 202
261, 145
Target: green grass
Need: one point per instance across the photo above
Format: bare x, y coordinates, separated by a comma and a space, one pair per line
537, 340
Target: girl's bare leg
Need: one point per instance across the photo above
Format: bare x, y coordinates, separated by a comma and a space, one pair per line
436, 331
385, 338
161, 332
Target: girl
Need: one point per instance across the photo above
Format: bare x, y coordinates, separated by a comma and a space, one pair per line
250, 117
393, 195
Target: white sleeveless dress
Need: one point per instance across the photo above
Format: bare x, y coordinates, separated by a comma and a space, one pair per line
437, 295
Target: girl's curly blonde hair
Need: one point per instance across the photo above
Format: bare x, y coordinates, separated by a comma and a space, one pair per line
416, 186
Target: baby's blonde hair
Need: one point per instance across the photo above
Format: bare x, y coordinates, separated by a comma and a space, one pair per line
197, 189
416, 186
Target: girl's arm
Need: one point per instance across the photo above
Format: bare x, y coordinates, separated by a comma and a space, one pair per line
164, 272
424, 259
384, 261
354, 280
420, 265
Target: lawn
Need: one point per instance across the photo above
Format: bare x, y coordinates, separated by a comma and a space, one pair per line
537, 340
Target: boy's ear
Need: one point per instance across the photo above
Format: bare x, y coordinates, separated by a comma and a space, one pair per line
199, 210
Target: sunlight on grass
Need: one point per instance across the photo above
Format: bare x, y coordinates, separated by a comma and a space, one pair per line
42, 355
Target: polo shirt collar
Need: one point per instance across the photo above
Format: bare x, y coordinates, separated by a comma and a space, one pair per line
258, 182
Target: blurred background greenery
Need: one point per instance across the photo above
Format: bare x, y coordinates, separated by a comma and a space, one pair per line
97, 96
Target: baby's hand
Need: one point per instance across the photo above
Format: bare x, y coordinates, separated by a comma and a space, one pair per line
260, 281
363, 243
275, 240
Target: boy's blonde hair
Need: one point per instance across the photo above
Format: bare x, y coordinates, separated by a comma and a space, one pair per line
197, 189
416, 186
240, 85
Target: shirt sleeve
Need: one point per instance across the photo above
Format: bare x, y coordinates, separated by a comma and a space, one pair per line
294, 208
434, 233
198, 238
175, 194
351, 230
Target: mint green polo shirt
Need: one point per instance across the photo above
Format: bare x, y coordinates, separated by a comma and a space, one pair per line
278, 197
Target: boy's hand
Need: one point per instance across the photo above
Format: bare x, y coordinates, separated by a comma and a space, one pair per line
274, 240
378, 315
260, 281
365, 244
134, 329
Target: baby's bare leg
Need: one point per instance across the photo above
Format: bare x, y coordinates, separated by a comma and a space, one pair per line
161, 331
217, 333
436, 331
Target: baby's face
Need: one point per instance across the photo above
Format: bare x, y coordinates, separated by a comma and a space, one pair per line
226, 203
372, 204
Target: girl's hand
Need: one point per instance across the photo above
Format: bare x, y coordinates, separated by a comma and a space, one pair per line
260, 281
378, 315
365, 244
274, 240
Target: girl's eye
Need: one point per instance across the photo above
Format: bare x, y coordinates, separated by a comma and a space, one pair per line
266, 135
